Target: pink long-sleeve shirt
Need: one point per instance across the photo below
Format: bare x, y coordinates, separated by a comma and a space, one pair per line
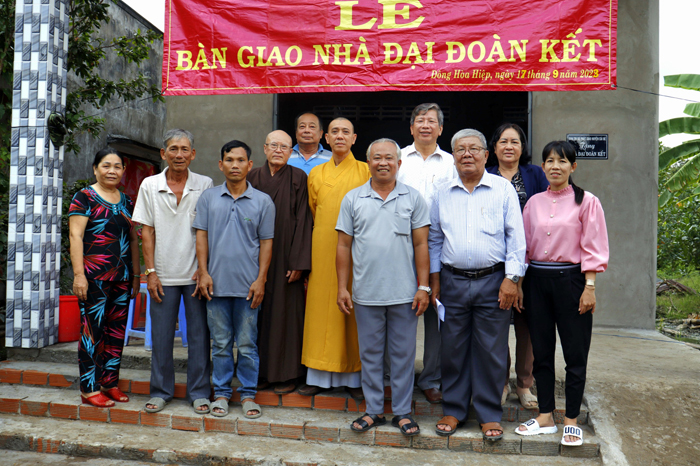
558, 230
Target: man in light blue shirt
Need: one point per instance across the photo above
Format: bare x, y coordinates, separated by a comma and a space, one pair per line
383, 231
235, 224
477, 256
308, 152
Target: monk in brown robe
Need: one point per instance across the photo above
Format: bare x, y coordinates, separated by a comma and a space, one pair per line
281, 320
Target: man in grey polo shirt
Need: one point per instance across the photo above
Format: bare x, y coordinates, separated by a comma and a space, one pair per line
165, 207
383, 231
235, 225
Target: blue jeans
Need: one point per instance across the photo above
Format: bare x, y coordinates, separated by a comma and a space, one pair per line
229, 319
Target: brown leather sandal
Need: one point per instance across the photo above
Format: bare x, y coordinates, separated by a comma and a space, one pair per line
450, 421
492, 426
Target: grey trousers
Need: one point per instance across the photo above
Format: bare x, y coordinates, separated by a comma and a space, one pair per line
430, 377
163, 320
474, 346
395, 328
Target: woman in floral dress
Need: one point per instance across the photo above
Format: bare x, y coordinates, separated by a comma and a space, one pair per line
105, 256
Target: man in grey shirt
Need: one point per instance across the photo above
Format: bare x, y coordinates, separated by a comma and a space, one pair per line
383, 231
235, 225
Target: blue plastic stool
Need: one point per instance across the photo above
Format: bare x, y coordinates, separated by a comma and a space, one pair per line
146, 333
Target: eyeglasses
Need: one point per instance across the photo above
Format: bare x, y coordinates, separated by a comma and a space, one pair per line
275, 146
472, 150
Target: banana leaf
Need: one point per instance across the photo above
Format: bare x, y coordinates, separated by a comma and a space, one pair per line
688, 174
683, 81
664, 196
692, 110
680, 151
689, 125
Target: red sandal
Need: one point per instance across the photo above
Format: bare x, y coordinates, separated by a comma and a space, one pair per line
116, 394
99, 400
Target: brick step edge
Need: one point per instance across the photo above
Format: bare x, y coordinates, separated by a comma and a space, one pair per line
293, 428
181, 448
512, 410
25, 442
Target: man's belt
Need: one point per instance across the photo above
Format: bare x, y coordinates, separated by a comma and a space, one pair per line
475, 273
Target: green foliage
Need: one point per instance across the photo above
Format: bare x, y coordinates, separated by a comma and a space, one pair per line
85, 53
66, 280
686, 156
673, 306
678, 226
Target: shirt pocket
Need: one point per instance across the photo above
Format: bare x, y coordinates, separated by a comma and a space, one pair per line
491, 221
402, 224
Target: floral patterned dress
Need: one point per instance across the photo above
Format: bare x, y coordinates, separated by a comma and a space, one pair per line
107, 261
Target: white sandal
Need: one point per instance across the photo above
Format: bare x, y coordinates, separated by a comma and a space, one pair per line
533, 428
572, 431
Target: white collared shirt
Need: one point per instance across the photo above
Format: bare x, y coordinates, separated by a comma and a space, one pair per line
156, 206
426, 175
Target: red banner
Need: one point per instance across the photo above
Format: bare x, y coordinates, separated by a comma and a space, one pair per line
276, 46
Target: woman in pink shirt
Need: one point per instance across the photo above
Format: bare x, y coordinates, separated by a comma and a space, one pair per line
567, 246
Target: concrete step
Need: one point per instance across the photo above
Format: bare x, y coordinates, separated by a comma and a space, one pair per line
135, 381
31, 458
281, 422
103, 444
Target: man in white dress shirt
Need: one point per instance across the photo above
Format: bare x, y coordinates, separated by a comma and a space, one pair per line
477, 256
426, 166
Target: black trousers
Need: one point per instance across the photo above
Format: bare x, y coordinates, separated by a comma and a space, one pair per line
551, 301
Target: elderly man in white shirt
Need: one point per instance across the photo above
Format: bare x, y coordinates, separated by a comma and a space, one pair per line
425, 166
166, 208
477, 256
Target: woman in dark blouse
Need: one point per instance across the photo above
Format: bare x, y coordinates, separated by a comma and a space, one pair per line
511, 160
104, 252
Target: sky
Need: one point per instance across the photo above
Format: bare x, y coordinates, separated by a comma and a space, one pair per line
678, 51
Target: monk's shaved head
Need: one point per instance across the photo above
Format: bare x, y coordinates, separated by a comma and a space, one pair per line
335, 120
279, 136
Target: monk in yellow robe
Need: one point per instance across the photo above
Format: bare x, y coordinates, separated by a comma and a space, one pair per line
330, 349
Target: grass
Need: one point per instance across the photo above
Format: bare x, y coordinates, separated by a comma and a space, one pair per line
672, 306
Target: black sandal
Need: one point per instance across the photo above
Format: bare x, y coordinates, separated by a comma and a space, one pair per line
405, 428
376, 422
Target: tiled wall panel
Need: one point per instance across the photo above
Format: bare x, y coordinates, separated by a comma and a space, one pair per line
36, 174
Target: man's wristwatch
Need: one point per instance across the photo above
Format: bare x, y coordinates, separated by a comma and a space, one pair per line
427, 289
513, 278
149, 271
590, 283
